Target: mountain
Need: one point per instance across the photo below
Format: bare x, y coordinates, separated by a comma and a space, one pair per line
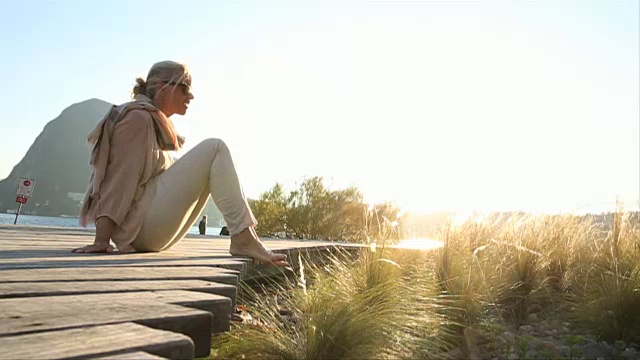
58, 160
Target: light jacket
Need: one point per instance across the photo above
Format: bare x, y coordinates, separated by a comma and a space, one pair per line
131, 146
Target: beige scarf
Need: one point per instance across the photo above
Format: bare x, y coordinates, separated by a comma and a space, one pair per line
100, 137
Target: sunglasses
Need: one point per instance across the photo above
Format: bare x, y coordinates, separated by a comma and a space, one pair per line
186, 89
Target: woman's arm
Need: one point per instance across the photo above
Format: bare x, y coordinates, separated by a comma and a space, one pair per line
127, 159
104, 230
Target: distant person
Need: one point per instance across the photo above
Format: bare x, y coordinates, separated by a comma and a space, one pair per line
203, 225
224, 231
139, 198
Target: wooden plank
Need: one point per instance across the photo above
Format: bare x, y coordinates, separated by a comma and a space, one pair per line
35, 263
66, 255
31, 289
191, 322
218, 306
136, 355
224, 276
97, 341
133, 257
160, 310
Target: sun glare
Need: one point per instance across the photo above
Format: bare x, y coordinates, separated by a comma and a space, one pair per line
419, 244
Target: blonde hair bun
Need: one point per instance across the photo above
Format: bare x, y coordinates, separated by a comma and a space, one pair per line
163, 71
140, 87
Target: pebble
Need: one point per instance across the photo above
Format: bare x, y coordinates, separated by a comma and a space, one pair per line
597, 350
547, 338
628, 353
509, 338
526, 328
534, 308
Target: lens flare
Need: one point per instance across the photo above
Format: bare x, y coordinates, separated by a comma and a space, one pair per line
420, 244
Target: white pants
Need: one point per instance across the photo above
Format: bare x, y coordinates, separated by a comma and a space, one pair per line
183, 190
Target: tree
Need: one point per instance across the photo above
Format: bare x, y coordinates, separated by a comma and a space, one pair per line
315, 212
271, 212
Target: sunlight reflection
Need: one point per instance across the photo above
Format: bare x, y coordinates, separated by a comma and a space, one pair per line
420, 244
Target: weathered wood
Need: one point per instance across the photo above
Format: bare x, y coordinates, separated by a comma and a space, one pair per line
35, 263
217, 305
17, 253
195, 324
161, 310
136, 355
46, 288
224, 276
68, 256
98, 341
30, 289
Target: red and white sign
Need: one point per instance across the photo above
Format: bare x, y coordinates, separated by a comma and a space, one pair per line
25, 187
21, 199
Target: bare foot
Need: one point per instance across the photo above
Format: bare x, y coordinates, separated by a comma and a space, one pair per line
94, 248
248, 244
126, 249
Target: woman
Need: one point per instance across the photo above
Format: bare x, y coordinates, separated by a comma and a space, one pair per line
143, 201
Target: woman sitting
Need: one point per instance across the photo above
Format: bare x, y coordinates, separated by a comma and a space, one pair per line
143, 201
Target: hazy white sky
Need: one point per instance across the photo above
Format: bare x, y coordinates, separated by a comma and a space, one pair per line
436, 105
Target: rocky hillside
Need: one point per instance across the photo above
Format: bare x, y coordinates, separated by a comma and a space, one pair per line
58, 160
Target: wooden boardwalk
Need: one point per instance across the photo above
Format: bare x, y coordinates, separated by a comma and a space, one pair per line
58, 305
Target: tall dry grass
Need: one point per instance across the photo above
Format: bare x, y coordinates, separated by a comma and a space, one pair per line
605, 293
382, 305
390, 303
567, 263
352, 309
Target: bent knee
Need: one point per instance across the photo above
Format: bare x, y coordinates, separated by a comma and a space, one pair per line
214, 144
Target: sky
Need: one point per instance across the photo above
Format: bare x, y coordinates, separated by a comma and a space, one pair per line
432, 105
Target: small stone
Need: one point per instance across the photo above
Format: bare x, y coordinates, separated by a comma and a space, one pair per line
536, 343
509, 338
550, 345
533, 318
534, 308
513, 356
597, 350
628, 353
526, 328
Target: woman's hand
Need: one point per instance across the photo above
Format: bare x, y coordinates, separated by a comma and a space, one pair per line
104, 230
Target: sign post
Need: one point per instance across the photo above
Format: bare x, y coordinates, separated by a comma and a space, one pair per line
25, 190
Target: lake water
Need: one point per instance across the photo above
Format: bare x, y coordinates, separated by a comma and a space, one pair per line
7, 219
